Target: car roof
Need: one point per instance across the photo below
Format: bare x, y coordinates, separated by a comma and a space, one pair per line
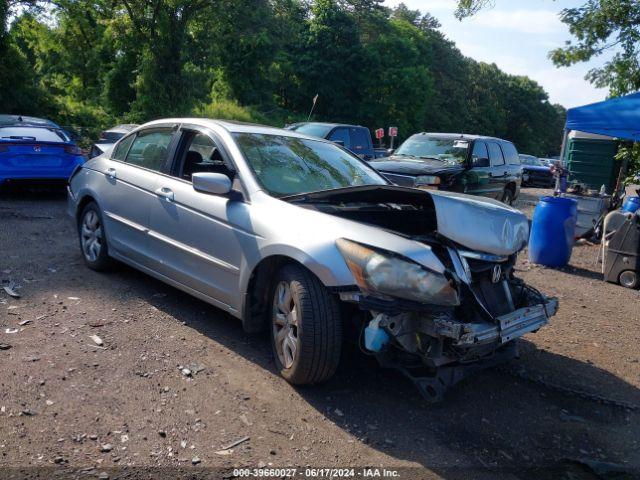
232, 126
123, 128
327, 124
17, 120
461, 136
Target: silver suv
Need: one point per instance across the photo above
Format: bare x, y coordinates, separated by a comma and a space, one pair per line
297, 235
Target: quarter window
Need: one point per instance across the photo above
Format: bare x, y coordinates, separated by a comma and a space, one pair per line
149, 149
495, 155
122, 148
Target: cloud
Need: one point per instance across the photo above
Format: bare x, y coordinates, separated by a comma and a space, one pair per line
539, 22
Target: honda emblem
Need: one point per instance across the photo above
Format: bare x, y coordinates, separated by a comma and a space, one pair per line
496, 274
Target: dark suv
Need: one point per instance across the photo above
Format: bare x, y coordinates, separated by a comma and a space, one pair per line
461, 163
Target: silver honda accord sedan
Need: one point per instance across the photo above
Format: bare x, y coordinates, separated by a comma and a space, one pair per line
297, 235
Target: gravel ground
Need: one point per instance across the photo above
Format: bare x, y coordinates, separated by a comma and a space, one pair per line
71, 405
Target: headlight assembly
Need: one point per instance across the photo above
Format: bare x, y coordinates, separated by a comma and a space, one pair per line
428, 180
396, 276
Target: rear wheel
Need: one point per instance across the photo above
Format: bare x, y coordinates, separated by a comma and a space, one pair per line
93, 242
306, 329
629, 279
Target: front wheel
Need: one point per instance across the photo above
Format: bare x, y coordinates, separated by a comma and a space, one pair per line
306, 328
93, 241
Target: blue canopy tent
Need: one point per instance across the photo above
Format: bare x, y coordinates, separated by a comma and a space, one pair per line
618, 117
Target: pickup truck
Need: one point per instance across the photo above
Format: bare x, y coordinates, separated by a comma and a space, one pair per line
471, 164
352, 137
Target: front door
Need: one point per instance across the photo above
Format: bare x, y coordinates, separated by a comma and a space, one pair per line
477, 179
196, 236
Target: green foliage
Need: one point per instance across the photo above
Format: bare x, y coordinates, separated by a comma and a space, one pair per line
94, 63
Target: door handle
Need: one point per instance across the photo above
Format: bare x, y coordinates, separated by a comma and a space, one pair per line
111, 173
166, 193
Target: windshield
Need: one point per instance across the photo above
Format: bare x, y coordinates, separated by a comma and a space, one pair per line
313, 129
290, 166
529, 160
448, 150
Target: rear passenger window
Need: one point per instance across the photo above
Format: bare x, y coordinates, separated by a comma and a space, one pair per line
359, 140
149, 149
510, 153
122, 148
495, 155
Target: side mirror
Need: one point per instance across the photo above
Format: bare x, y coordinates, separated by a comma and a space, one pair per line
390, 151
481, 162
214, 183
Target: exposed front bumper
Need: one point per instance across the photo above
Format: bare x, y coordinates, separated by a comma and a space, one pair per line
508, 327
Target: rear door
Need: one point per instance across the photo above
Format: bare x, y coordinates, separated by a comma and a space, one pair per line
128, 190
512, 160
498, 174
196, 237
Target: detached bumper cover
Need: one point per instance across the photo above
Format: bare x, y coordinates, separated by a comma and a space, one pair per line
507, 327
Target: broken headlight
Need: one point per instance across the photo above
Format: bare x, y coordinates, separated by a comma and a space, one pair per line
396, 276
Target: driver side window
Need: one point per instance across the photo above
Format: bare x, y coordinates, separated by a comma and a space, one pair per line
202, 155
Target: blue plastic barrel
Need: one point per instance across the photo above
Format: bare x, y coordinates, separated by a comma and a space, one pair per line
552, 231
631, 204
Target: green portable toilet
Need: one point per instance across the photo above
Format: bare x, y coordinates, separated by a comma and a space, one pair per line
590, 160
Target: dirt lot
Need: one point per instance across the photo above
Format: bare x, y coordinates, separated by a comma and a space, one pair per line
70, 405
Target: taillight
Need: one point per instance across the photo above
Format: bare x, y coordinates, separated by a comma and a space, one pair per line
72, 150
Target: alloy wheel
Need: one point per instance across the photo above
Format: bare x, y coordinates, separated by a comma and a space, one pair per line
91, 235
285, 324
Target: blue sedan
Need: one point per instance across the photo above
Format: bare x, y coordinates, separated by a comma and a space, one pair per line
536, 173
35, 149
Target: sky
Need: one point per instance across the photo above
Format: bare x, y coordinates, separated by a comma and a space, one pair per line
517, 35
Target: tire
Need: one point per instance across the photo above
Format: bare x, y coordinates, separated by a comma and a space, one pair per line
306, 344
93, 241
629, 279
507, 196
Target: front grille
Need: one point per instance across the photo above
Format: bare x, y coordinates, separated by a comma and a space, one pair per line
401, 180
494, 295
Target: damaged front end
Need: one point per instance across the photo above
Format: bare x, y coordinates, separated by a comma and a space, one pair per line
437, 344
438, 325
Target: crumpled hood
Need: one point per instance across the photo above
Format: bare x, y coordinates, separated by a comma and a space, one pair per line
480, 224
